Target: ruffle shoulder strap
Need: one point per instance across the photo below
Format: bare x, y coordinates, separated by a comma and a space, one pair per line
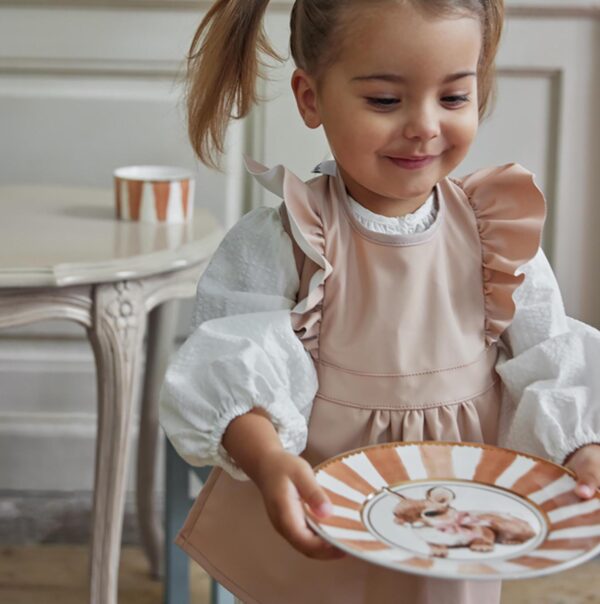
304, 213
510, 211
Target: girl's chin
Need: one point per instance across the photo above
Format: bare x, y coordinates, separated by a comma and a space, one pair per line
410, 195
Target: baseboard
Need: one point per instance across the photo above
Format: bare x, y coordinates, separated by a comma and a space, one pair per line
34, 517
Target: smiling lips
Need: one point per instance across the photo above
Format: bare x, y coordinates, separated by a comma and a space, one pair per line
413, 163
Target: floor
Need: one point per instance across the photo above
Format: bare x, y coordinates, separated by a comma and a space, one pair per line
56, 574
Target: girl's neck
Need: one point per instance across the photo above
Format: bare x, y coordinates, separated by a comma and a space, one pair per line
421, 213
391, 208
378, 204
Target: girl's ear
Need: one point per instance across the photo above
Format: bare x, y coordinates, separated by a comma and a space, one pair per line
305, 91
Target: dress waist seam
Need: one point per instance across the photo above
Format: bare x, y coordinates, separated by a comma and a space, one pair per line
404, 406
321, 361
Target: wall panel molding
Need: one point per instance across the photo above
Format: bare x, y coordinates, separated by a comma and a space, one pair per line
573, 9
555, 76
53, 451
125, 68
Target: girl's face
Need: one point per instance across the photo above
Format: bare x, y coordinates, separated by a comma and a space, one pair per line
403, 87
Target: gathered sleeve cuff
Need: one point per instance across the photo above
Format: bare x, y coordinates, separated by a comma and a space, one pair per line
228, 367
242, 353
550, 373
510, 211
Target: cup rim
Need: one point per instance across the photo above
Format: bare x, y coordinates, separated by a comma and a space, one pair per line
148, 173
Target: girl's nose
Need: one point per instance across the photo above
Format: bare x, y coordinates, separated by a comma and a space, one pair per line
422, 124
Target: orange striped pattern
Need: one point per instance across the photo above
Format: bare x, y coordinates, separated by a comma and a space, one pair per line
350, 477
560, 501
185, 196
388, 464
365, 546
341, 522
419, 562
161, 199
170, 201
578, 543
582, 520
342, 501
537, 478
492, 464
438, 462
476, 569
532, 562
134, 190
118, 197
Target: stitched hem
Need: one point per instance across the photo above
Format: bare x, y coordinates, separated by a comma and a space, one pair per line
402, 406
416, 374
214, 572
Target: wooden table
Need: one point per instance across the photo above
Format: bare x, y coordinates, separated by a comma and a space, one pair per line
64, 256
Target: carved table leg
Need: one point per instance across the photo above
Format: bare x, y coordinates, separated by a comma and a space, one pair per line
161, 332
116, 334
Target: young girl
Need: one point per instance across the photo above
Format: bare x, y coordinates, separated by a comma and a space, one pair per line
383, 301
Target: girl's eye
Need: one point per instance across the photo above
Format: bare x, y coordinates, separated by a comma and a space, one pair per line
382, 102
455, 100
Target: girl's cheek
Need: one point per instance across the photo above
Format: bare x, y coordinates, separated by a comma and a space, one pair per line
384, 128
463, 132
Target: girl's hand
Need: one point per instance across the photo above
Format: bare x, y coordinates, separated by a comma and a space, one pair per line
585, 462
286, 481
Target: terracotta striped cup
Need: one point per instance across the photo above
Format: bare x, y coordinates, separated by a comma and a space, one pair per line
155, 194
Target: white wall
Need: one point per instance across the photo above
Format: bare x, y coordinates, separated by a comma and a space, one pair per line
88, 85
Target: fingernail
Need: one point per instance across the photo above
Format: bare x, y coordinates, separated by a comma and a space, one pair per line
586, 490
325, 509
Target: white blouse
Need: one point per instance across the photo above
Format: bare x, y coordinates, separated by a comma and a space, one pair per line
242, 352
418, 222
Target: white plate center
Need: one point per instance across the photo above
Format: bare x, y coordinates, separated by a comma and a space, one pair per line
456, 520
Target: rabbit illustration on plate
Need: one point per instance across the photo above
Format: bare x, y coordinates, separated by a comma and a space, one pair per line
441, 526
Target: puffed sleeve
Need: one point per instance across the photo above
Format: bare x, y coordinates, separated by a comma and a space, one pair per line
550, 372
242, 352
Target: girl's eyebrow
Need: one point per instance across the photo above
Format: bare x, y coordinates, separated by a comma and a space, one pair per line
393, 77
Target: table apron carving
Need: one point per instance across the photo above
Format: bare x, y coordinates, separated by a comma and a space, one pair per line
21, 306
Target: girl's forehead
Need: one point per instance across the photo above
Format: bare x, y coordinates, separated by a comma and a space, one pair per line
399, 38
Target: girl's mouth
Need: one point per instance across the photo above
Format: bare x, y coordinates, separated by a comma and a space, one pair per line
413, 163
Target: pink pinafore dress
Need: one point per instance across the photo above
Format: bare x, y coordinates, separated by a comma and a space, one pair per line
403, 332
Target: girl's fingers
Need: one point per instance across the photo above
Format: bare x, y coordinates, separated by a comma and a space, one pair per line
584, 490
588, 480
585, 462
304, 539
311, 492
285, 497
289, 520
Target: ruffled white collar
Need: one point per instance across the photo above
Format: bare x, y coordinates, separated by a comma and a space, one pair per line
417, 222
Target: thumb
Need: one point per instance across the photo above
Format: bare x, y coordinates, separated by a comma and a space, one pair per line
585, 490
587, 484
312, 493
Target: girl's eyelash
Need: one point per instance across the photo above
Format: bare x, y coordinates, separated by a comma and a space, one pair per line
382, 101
456, 99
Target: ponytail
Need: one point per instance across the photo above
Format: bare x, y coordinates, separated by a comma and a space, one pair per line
493, 22
223, 65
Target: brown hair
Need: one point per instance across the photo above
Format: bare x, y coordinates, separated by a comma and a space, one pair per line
226, 55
